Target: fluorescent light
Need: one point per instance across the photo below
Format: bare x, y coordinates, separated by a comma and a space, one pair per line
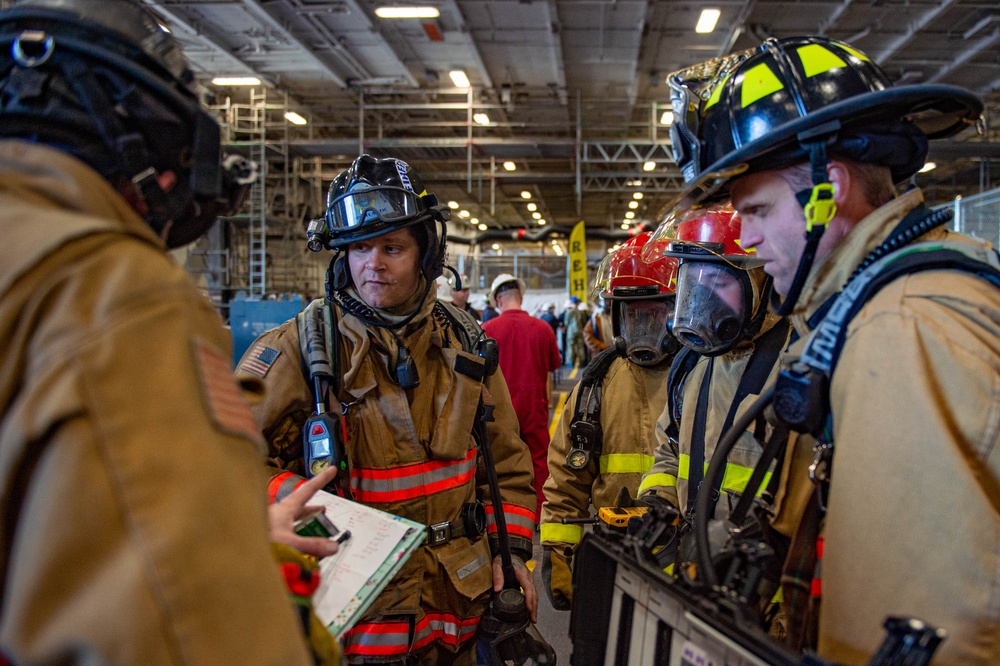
537, 216
482, 227
464, 214
667, 118
629, 215
927, 167
707, 20
532, 207
481, 118
633, 204
525, 194
453, 205
295, 118
510, 166
407, 12
649, 166
459, 78
236, 81
637, 195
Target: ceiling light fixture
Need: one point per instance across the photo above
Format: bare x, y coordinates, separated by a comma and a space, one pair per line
532, 207
459, 78
633, 204
295, 118
927, 167
542, 222
407, 12
473, 221
537, 216
667, 118
625, 226
629, 215
707, 20
464, 214
649, 166
510, 166
481, 118
482, 227
525, 194
453, 205
637, 195
236, 81
495, 246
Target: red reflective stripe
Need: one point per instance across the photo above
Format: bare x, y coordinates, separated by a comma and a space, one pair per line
413, 469
410, 476
515, 509
515, 516
388, 496
402, 629
274, 485
816, 588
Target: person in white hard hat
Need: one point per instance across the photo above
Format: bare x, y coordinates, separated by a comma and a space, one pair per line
528, 353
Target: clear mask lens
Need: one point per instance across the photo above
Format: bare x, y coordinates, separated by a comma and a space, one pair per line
387, 204
711, 304
645, 329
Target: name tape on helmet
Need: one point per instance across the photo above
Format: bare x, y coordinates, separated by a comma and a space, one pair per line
401, 170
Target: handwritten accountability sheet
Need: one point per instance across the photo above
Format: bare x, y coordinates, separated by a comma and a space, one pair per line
380, 544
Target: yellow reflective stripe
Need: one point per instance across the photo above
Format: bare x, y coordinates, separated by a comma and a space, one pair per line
734, 480
817, 59
758, 82
656, 481
626, 463
717, 93
561, 533
684, 467
854, 52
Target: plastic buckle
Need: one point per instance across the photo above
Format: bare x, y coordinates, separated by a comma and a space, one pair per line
439, 534
821, 207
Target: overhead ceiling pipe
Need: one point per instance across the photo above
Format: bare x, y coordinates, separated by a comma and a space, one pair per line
541, 234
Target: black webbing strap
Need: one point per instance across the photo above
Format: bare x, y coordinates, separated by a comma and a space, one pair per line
696, 468
586, 406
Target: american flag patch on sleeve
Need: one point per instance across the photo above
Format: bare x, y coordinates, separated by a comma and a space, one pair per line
226, 406
258, 361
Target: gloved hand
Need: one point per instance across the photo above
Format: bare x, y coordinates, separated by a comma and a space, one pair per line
557, 575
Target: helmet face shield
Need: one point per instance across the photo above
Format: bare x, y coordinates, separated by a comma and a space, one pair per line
713, 302
645, 329
363, 203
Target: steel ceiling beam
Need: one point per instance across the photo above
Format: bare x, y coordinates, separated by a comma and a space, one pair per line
555, 48
255, 9
475, 55
966, 55
205, 37
916, 27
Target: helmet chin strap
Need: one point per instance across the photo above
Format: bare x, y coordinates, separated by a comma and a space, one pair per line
819, 208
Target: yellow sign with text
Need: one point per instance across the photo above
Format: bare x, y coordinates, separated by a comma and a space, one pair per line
578, 285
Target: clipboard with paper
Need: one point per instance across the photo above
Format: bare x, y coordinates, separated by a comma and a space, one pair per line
350, 580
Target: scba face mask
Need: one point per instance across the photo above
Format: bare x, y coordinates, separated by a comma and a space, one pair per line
712, 306
645, 330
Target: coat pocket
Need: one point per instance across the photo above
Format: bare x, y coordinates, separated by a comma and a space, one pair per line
457, 412
465, 569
